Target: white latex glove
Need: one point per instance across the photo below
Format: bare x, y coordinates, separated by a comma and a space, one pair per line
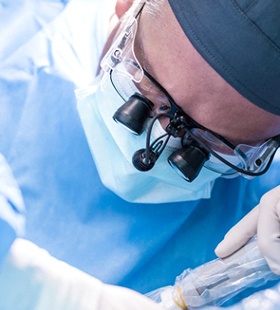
31, 279
263, 220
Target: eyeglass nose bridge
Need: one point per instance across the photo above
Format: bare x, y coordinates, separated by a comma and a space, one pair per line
177, 123
188, 160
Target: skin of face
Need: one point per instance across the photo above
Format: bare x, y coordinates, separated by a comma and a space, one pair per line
165, 52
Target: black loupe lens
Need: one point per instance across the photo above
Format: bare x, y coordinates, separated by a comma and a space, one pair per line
134, 113
188, 161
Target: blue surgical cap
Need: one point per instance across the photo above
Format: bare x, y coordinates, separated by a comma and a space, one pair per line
240, 39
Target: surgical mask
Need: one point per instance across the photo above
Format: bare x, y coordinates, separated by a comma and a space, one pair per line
112, 148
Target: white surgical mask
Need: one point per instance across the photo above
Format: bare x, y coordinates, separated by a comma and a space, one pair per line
113, 146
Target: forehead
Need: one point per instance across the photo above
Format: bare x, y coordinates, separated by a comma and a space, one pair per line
195, 86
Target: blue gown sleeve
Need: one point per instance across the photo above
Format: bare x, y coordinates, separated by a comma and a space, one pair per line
12, 211
7, 237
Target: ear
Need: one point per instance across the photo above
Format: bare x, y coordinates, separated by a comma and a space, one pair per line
122, 6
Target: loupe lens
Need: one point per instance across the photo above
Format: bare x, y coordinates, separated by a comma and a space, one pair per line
134, 113
188, 161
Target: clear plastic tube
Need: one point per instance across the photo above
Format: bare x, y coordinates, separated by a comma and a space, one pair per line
216, 281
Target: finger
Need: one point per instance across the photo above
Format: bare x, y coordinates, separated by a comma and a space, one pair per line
239, 234
269, 233
271, 197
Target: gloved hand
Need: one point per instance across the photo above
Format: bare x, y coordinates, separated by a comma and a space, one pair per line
263, 220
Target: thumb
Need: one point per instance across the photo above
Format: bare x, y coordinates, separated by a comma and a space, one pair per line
239, 234
269, 230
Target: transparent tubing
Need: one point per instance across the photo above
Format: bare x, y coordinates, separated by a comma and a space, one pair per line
216, 281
